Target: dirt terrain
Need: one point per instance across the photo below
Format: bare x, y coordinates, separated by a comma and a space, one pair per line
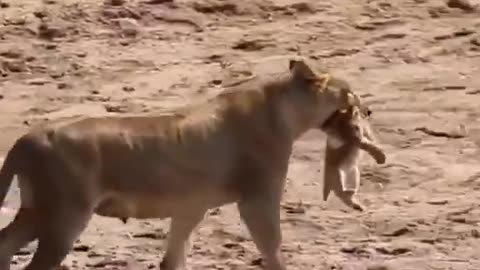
415, 61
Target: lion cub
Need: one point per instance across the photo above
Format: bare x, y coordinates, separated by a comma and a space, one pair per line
348, 132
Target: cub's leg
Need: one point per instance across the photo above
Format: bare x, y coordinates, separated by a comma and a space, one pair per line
16, 235
262, 217
374, 150
58, 229
181, 228
350, 180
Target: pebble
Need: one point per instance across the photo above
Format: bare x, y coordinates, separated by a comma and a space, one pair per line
38, 81
128, 88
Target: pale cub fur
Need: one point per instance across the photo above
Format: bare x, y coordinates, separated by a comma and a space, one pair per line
348, 132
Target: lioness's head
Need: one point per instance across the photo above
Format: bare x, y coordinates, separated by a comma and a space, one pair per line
325, 93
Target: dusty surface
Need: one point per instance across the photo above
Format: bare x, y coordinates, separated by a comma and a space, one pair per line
416, 62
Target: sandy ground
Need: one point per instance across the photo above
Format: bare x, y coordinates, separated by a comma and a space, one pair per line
415, 61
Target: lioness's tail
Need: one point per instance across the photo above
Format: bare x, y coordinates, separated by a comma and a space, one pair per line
7, 172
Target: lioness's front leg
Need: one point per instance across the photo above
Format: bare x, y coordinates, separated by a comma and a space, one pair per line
178, 240
262, 217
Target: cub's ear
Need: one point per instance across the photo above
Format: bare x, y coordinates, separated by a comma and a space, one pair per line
300, 69
347, 100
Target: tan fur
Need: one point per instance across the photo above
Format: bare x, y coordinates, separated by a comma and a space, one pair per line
348, 132
232, 148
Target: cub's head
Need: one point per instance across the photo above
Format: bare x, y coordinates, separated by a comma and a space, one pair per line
325, 93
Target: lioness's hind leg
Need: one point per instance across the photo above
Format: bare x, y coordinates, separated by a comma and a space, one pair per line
56, 235
262, 217
16, 235
181, 228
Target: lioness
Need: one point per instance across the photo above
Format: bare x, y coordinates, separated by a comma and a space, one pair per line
348, 132
234, 147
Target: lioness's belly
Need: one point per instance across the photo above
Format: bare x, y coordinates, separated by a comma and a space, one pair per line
142, 207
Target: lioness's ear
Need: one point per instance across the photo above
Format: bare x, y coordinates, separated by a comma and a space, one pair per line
323, 81
302, 70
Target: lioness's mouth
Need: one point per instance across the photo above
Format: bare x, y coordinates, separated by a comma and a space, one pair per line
328, 122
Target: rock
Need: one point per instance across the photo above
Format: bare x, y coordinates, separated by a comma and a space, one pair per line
14, 66
40, 14
461, 4
357, 250
475, 41
105, 263
251, 45
97, 98
207, 7
15, 21
115, 108
114, 2
57, 74
464, 32
81, 248
4, 4
63, 85
128, 88
426, 54
257, 262
294, 209
216, 82
303, 7
51, 46
149, 235
124, 42
48, 31
378, 267
397, 232
438, 201
129, 27
160, 1
81, 54
12, 53
392, 250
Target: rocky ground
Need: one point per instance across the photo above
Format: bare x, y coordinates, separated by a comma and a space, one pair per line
415, 61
